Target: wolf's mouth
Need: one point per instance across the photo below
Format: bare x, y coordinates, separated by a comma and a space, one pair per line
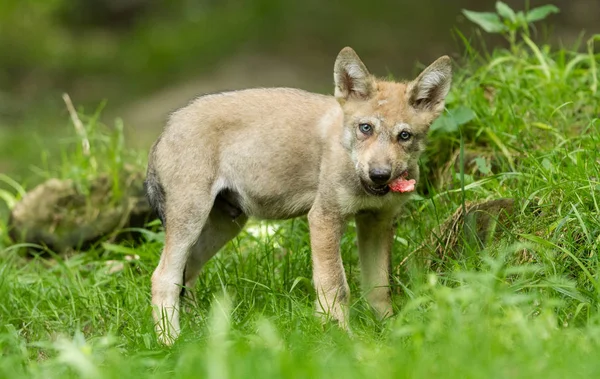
401, 184
375, 190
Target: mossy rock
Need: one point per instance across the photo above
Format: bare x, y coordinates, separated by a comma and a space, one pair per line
58, 216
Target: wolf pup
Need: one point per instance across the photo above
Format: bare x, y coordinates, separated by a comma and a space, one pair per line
278, 153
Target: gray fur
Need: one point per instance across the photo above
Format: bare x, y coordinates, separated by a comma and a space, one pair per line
155, 192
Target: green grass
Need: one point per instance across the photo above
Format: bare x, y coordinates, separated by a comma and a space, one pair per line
526, 305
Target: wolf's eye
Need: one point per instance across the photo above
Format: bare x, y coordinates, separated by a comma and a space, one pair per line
404, 136
365, 128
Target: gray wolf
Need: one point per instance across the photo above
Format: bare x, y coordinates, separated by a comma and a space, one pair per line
278, 153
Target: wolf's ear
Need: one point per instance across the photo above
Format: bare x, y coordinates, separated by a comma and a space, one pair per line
352, 79
428, 91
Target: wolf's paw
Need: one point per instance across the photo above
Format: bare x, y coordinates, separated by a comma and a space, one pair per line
166, 337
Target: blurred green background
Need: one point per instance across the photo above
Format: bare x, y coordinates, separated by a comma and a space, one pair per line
147, 57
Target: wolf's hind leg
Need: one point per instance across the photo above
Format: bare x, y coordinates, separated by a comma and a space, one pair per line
186, 216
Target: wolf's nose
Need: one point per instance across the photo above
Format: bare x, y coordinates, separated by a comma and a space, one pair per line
380, 175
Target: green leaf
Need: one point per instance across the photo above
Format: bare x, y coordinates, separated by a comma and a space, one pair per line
450, 121
462, 115
490, 22
540, 13
506, 11
521, 20
483, 166
444, 123
548, 165
468, 179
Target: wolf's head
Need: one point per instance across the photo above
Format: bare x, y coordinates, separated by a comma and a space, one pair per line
385, 122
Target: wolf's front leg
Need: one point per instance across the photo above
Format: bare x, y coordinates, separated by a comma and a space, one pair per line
326, 229
375, 237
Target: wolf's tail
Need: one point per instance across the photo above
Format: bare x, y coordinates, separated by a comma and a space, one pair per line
155, 192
